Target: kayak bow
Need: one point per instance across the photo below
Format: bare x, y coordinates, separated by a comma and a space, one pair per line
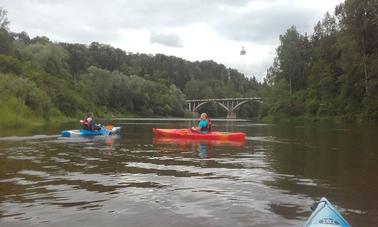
326, 215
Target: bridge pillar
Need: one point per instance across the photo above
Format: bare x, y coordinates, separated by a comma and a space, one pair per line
231, 115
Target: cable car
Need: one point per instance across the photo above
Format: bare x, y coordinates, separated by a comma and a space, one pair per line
243, 52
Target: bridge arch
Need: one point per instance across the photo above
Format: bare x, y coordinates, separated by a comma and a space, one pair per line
244, 102
229, 104
199, 105
204, 103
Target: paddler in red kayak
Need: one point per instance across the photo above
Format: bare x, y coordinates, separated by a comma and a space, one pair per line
204, 125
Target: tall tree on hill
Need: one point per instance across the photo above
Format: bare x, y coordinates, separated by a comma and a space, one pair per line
359, 18
4, 22
77, 59
5, 38
324, 71
293, 59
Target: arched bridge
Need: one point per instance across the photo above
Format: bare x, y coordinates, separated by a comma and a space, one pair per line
229, 104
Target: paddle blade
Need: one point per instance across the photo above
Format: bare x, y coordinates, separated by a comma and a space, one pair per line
109, 127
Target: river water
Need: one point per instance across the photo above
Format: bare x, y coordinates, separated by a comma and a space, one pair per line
135, 180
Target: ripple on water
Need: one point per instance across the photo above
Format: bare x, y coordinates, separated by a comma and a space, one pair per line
27, 138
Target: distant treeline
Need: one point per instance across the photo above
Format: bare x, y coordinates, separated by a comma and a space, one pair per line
331, 73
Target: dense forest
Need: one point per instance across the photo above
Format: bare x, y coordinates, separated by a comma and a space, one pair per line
330, 74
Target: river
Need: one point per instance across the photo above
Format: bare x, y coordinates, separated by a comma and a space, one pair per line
135, 180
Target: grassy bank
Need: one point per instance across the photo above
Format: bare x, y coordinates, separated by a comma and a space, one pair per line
15, 120
17, 115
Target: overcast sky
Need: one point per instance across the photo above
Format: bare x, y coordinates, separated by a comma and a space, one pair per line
192, 29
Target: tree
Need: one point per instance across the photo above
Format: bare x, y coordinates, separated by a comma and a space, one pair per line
22, 38
78, 59
5, 38
360, 19
273, 73
4, 22
293, 59
196, 89
52, 57
324, 68
96, 85
106, 57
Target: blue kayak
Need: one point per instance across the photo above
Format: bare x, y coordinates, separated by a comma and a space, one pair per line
326, 215
103, 131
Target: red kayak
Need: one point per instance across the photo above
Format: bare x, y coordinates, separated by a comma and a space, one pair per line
189, 134
186, 141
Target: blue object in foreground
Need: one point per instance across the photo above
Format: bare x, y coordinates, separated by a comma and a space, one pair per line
326, 215
83, 132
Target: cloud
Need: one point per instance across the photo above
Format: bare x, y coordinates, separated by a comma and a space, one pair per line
263, 26
263, 21
93, 20
210, 29
170, 40
90, 16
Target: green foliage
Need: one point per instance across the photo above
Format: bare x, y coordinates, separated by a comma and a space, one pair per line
78, 59
196, 89
67, 102
293, 57
26, 92
9, 64
6, 45
96, 84
21, 99
51, 57
13, 113
332, 75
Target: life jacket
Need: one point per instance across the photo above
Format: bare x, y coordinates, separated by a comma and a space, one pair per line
208, 126
85, 123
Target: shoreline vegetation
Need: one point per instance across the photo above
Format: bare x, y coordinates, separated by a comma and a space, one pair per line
328, 76
19, 122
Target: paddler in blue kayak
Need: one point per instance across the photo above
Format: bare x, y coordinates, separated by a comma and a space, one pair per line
88, 123
204, 125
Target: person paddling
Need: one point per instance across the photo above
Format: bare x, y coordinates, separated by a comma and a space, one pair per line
89, 122
204, 125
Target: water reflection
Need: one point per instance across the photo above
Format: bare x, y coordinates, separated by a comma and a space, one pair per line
108, 140
202, 147
203, 150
